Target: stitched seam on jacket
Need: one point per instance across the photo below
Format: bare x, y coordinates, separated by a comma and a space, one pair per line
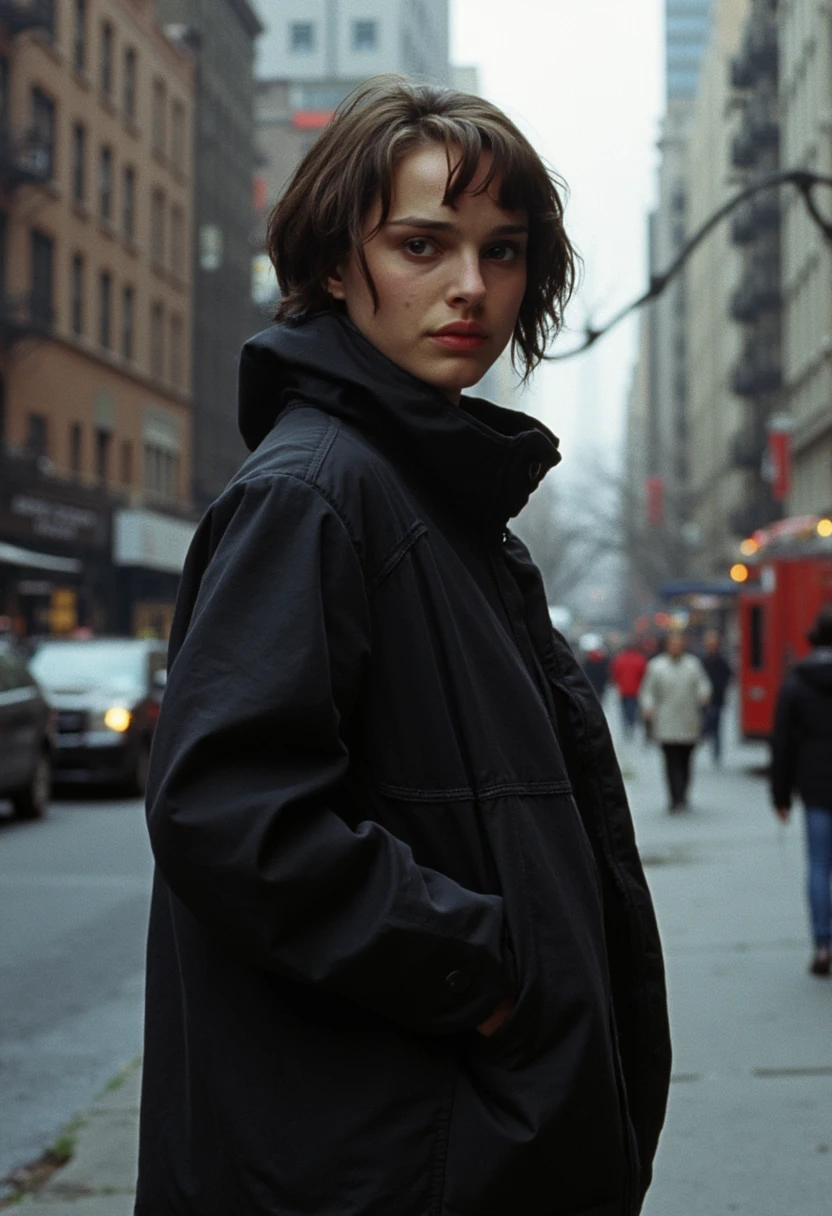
316, 462
401, 549
467, 793
322, 451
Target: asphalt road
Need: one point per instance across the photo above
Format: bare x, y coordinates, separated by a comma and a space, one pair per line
74, 895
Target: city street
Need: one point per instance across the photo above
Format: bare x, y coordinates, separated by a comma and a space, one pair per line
73, 916
749, 1127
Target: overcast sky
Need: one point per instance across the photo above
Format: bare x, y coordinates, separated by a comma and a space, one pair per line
584, 79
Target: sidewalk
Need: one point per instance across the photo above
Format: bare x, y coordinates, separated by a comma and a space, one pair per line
748, 1128
100, 1179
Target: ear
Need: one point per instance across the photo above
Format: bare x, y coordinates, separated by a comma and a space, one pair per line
334, 284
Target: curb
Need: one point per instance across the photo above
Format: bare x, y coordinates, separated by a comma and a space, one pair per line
100, 1177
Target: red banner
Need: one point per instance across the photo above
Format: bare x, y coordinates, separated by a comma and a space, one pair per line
654, 500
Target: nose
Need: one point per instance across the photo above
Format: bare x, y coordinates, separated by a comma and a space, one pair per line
467, 285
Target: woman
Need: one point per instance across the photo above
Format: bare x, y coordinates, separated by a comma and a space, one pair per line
673, 694
402, 957
801, 758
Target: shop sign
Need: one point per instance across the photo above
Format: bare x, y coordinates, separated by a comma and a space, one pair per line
55, 520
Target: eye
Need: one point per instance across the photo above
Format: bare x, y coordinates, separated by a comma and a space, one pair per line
504, 251
420, 246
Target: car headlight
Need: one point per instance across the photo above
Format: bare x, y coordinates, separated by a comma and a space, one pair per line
117, 718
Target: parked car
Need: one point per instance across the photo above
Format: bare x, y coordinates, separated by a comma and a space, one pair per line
27, 738
106, 693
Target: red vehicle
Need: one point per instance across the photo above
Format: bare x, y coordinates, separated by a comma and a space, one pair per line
789, 577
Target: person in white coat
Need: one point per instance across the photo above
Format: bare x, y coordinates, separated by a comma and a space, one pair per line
673, 694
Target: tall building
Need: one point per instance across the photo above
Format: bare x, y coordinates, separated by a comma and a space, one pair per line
687, 28
717, 438
687, 25
321, 42
757, 303
806, 118
224, 33
96, 190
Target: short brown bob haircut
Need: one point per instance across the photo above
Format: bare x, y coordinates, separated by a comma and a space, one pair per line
321, 216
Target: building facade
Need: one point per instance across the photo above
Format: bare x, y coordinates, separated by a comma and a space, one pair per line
320, 42
223, 33
687, 31
756, 306
806, 137
718, 449
96, 188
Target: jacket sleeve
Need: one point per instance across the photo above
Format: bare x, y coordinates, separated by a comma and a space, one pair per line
250, 821
647, 693
704, 687
784, 747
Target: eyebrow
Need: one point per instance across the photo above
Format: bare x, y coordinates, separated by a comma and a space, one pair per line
415, 221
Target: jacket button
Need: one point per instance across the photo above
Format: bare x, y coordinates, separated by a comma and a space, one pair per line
458, 981
535, 469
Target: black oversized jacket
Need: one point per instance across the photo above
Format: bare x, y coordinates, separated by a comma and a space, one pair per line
801, 744
382, 797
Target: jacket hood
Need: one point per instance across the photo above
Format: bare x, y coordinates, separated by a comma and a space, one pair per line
816, 669
486, 458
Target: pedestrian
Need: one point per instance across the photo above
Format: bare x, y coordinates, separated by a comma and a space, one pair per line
801, 759
720, 673
402, 957
675, 690
597, 669
627, 671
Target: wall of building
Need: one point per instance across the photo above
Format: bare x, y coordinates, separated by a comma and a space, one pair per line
317, 40
806, 134
225, 32
715, 414
95, 302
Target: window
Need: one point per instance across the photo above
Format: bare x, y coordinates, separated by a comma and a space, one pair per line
41, 154
177, 242
157, 339
106, 65
79, 162
105, 184
364, 35
103, 443
42, 251
76, 302
158, 118
126, 462
302, 37
76, 451
105, 309
128, 322
157, 227
130, 83
128, 214
79, 36
178, 136
37, 435
161, 470
176, 351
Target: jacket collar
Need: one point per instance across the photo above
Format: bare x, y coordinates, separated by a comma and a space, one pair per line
488, 460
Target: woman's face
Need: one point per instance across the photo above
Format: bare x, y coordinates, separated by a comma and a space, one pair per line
450, 280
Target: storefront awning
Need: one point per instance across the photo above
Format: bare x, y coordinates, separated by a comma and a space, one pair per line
13, 555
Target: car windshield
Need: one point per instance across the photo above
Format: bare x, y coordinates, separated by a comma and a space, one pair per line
89, 664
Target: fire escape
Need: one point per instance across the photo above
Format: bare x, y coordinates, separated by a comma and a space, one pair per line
26, 160
757, 302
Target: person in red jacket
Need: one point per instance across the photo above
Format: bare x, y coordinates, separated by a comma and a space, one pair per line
627, 671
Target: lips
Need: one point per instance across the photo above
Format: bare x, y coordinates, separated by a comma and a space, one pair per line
460, 336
